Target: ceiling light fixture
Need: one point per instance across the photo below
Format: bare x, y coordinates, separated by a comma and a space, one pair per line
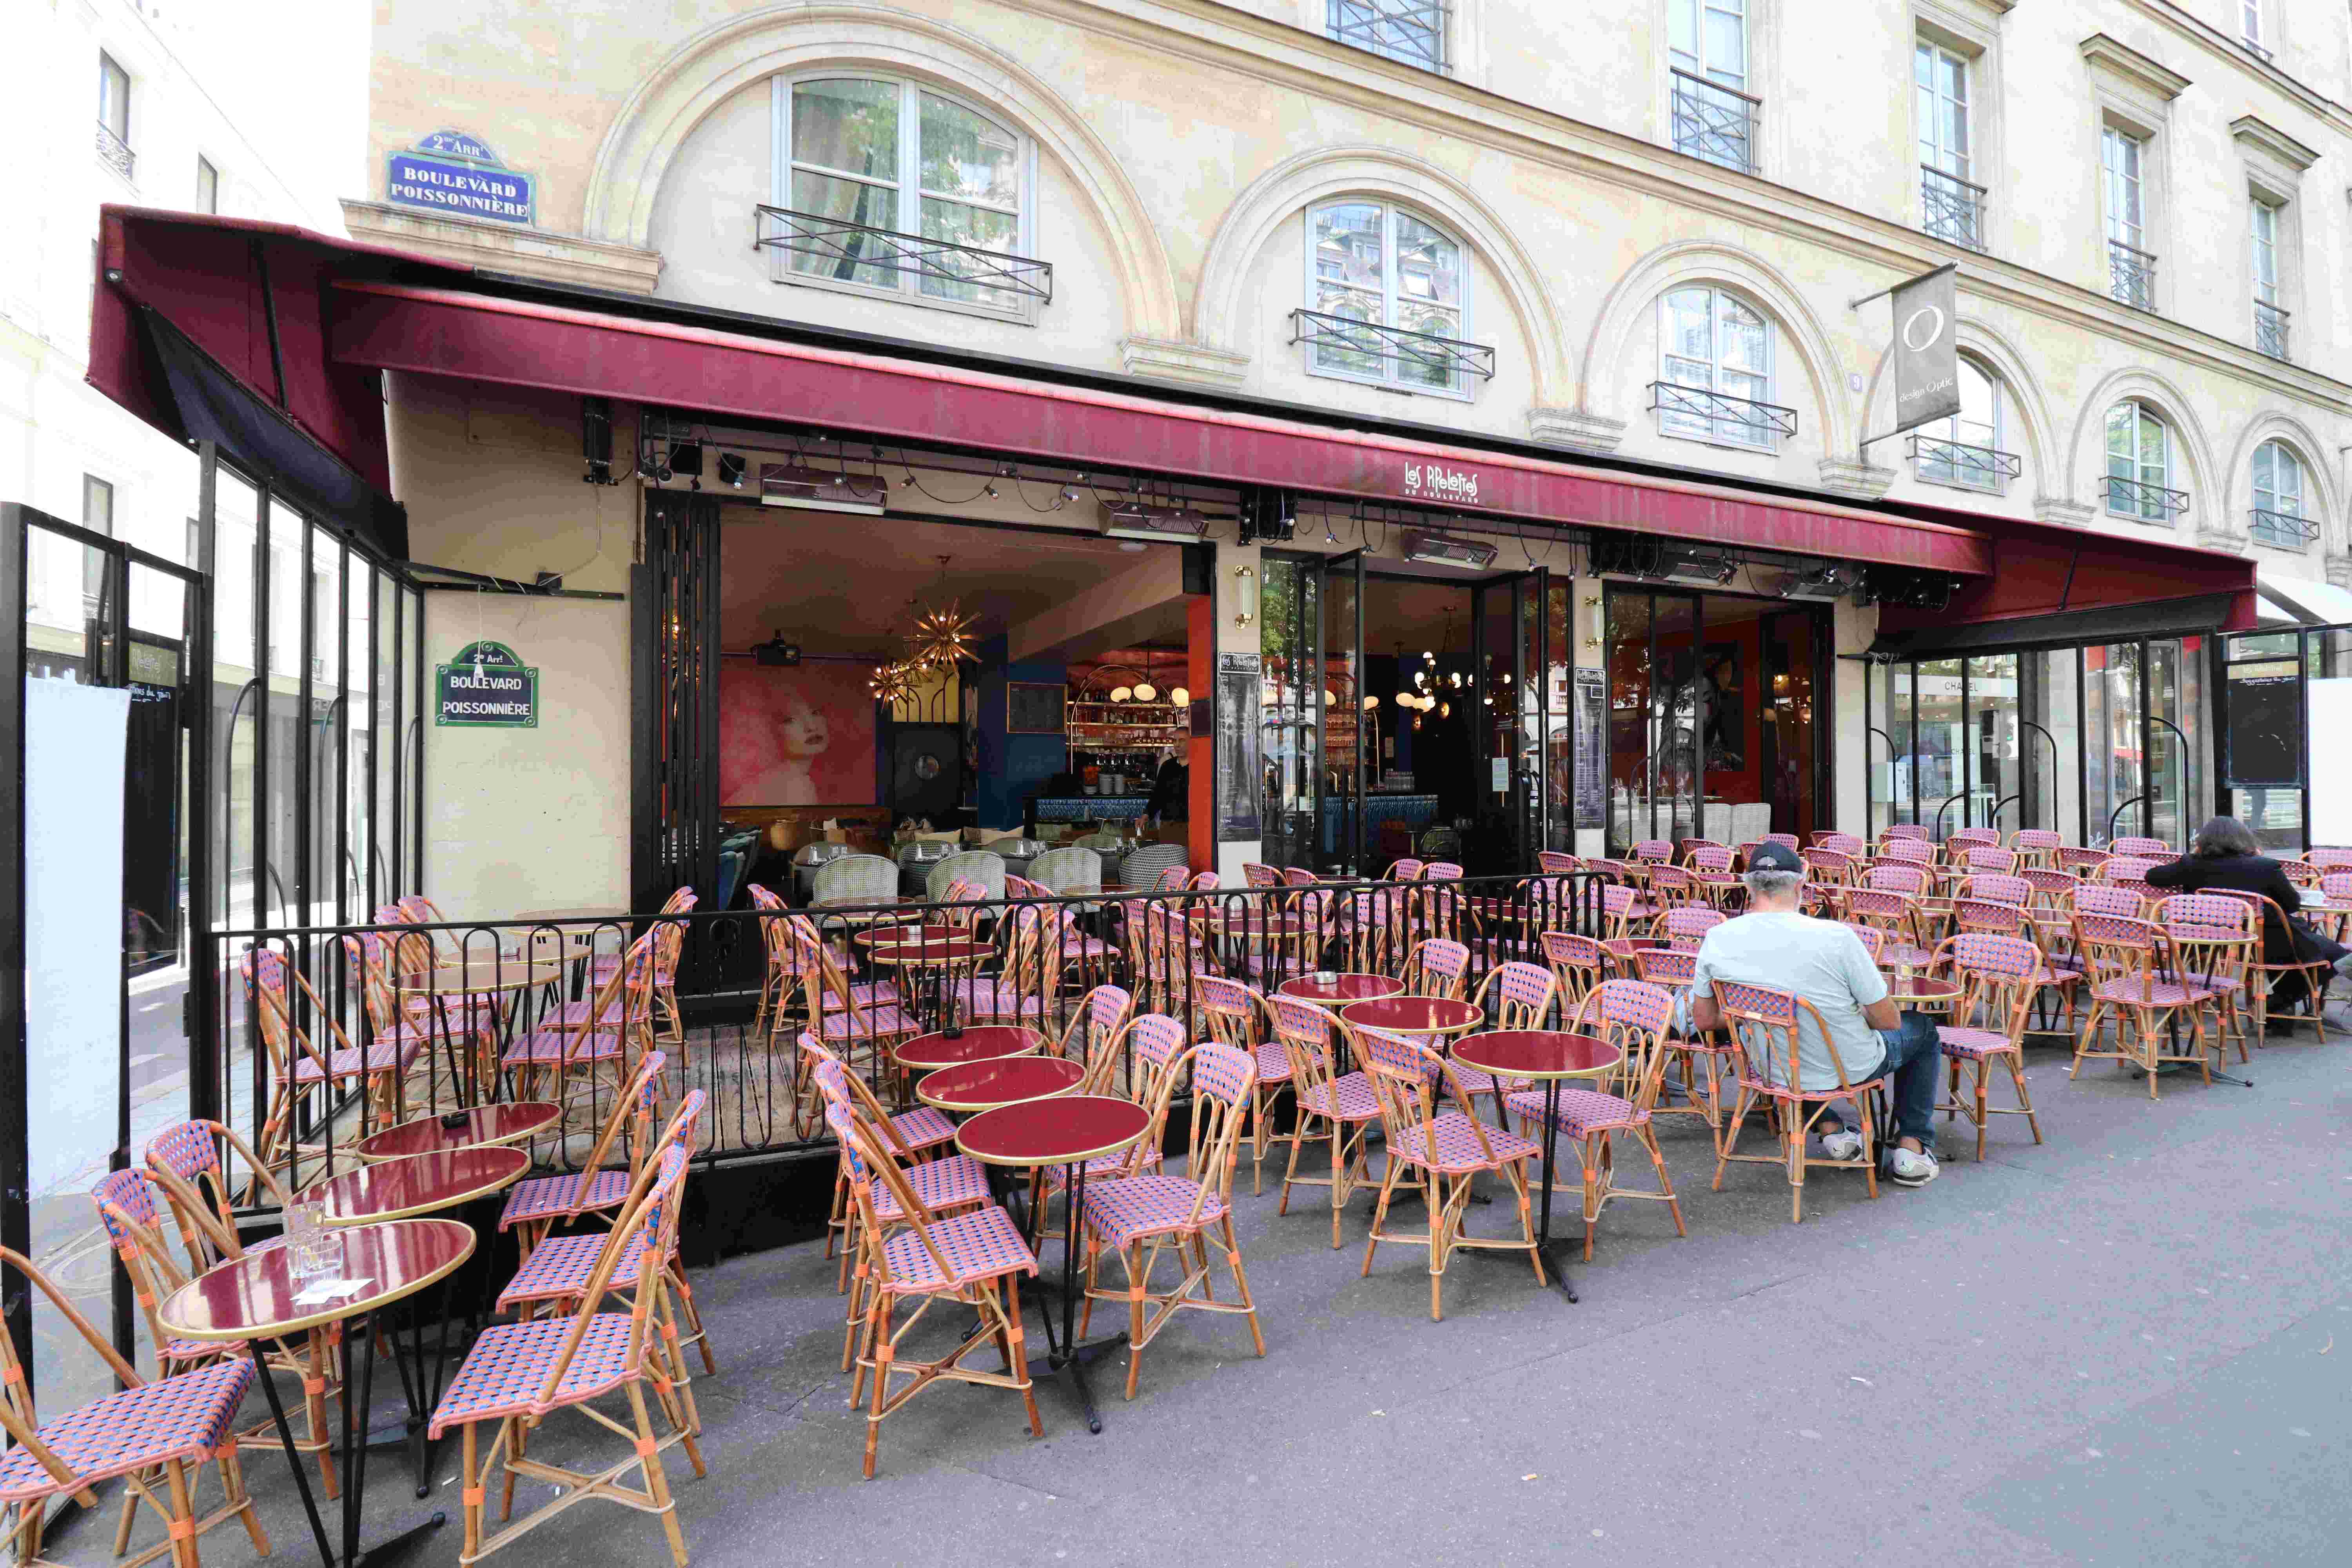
814, 490
942, 638
1180, 697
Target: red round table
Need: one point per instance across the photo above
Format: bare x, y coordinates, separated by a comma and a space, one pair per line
911, 935
1415, 1015
250, 1300
1551, 1057
1067, 1131
1007, 1080
935, 961
1327, 987
508, 1121
985, 1042
416, 1184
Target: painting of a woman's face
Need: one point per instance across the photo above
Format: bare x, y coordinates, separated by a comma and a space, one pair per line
799, 736
803, 733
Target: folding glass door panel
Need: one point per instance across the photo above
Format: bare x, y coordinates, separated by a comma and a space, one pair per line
1290, 710
1345, 730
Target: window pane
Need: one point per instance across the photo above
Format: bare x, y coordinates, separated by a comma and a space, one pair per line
1429, 266
1347, 246
1726, 46
1687, 329
1741, 334
2263, 481
845, 255
1681, 33
975, 226
847, 125
965, 155
113, 98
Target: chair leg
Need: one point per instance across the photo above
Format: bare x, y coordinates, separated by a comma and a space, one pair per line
1241, 1282
1139, 1260
657, 1479
469, 1472
184, 1516
233, 1484
881, 1378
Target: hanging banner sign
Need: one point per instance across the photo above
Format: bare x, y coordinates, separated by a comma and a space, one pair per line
486, 687
1927, 357
450, 172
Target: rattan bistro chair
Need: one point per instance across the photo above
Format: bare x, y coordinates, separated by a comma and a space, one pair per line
1765, 1023
156, 1437
1231, 1013
1335, 1108
2129, 964
537, 1203
1447, 1150
1145, 1215
518, 1375
1998, 976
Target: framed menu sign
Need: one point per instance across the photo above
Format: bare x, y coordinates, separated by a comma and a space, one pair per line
1032, 708
1591, 747
1238, 773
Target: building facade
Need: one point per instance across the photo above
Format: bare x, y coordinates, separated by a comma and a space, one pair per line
1634, 235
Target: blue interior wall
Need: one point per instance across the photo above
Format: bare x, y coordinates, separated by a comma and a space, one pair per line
1011, 767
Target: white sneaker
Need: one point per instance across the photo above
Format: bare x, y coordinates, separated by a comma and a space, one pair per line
1842, 1145
1906, 1169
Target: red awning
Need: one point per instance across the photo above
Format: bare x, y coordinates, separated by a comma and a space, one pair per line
345, 311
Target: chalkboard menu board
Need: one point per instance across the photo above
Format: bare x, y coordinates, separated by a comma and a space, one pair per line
1238, 784
1032, 708
1591, 747
2263, 745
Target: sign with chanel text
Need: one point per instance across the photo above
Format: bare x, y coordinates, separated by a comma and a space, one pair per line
486, 687
452, 173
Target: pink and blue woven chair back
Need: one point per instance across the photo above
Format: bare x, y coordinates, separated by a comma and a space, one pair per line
2121, 903
1297, 877
1663, 965
1157, 1039
1405, 871
414, 908
762, 898
669, 1186
1553, 863
2050, 887
1525, 986
190, 1151
1573, 952
2336, 885
2329, 859
1396, 1054
832, 1082
1215, 993
1873, 939
1205, 882
2036, 838
1991, 857
961, 890
1988, 915
1714, 857
1106, 1006
1172, 880
1844, 844
1878, 903
2000, 888
2138, 847
650, 1093
1903, 830
1831, 865
1686, 928
1617, 899
1763, 1047
264, 967
2201, 916
1445, 960
1256, 874
1441, 871
2003, 957
1302, 1021
1788, 840
1633, 1004
1910, 851
1971, 836
2121, 931
1223, 1073
131, 1192
837, 1118
1655, 851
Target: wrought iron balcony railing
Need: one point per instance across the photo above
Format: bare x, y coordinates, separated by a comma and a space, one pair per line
2136, 497
1952, 208
838, 248
2270, 329
1749, 421
115, 151
1714, 122
1411, 31
1449, 357
1958, 463
2286, 530
2131, 275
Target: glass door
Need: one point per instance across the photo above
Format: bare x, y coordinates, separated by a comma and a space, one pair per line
1657, 713
1345, 730
1290, 710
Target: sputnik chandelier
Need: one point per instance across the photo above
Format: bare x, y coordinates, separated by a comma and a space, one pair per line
942, 638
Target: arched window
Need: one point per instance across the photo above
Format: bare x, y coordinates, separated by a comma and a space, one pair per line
2139, 465
2278, 518
1714, 371
1963, 449
871, 169
1373, 263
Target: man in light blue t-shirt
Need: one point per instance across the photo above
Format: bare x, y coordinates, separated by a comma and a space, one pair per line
1774, 945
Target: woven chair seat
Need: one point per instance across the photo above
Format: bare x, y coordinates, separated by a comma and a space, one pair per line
185, 1417
1456, 1150
953, 1183
1110, 1166
2220, 985
983, 1245
923, 1128
1477, 1081
1273, 1064
867, 1023
987, 998
544, 1197
1975, 1045
577, 1012
1354, 1093
1581, 1110
1122, 1210
2138, 993
355, 1061
562, 1267
509, 1363
552, 1047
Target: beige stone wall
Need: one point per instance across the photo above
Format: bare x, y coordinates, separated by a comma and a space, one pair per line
534, 819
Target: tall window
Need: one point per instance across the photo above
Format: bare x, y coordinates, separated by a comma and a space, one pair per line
1963, 449
2131, 270
2278, 497
2139, 464
1412, 31
1715, 370
2250, 25
1951, 199
97, 516
902, 161
2270, 317
1713, 112
1370, 262
114, 114
207, 186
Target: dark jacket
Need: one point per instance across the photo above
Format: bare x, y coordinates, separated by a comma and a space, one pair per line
1172, 796
2246, 873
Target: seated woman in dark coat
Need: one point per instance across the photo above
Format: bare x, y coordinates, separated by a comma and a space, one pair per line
2226, 855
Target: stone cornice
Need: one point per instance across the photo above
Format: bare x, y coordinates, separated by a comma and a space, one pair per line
1223, 38
2129, 66
504, 248
2272, 143
2223, 48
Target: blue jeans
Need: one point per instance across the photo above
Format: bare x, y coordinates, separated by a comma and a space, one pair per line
1914, 1060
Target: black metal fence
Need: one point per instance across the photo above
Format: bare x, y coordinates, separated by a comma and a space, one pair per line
400, 1019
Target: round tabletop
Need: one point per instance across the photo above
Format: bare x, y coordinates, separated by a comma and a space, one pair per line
252, 1297
1536, 1054
1007, 1080
1327, 987
1415, 1015
1922, 991
416, 1183
912, 934
503, 973
1068, 1130
509, 1122
980, 1043
924, 954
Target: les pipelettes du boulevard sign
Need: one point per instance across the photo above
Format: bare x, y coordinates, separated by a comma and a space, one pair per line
1435, 481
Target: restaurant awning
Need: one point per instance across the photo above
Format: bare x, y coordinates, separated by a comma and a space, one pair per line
359, 310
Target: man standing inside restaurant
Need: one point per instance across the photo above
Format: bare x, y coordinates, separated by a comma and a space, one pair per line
1775, 946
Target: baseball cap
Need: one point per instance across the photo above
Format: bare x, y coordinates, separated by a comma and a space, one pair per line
1770, 855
